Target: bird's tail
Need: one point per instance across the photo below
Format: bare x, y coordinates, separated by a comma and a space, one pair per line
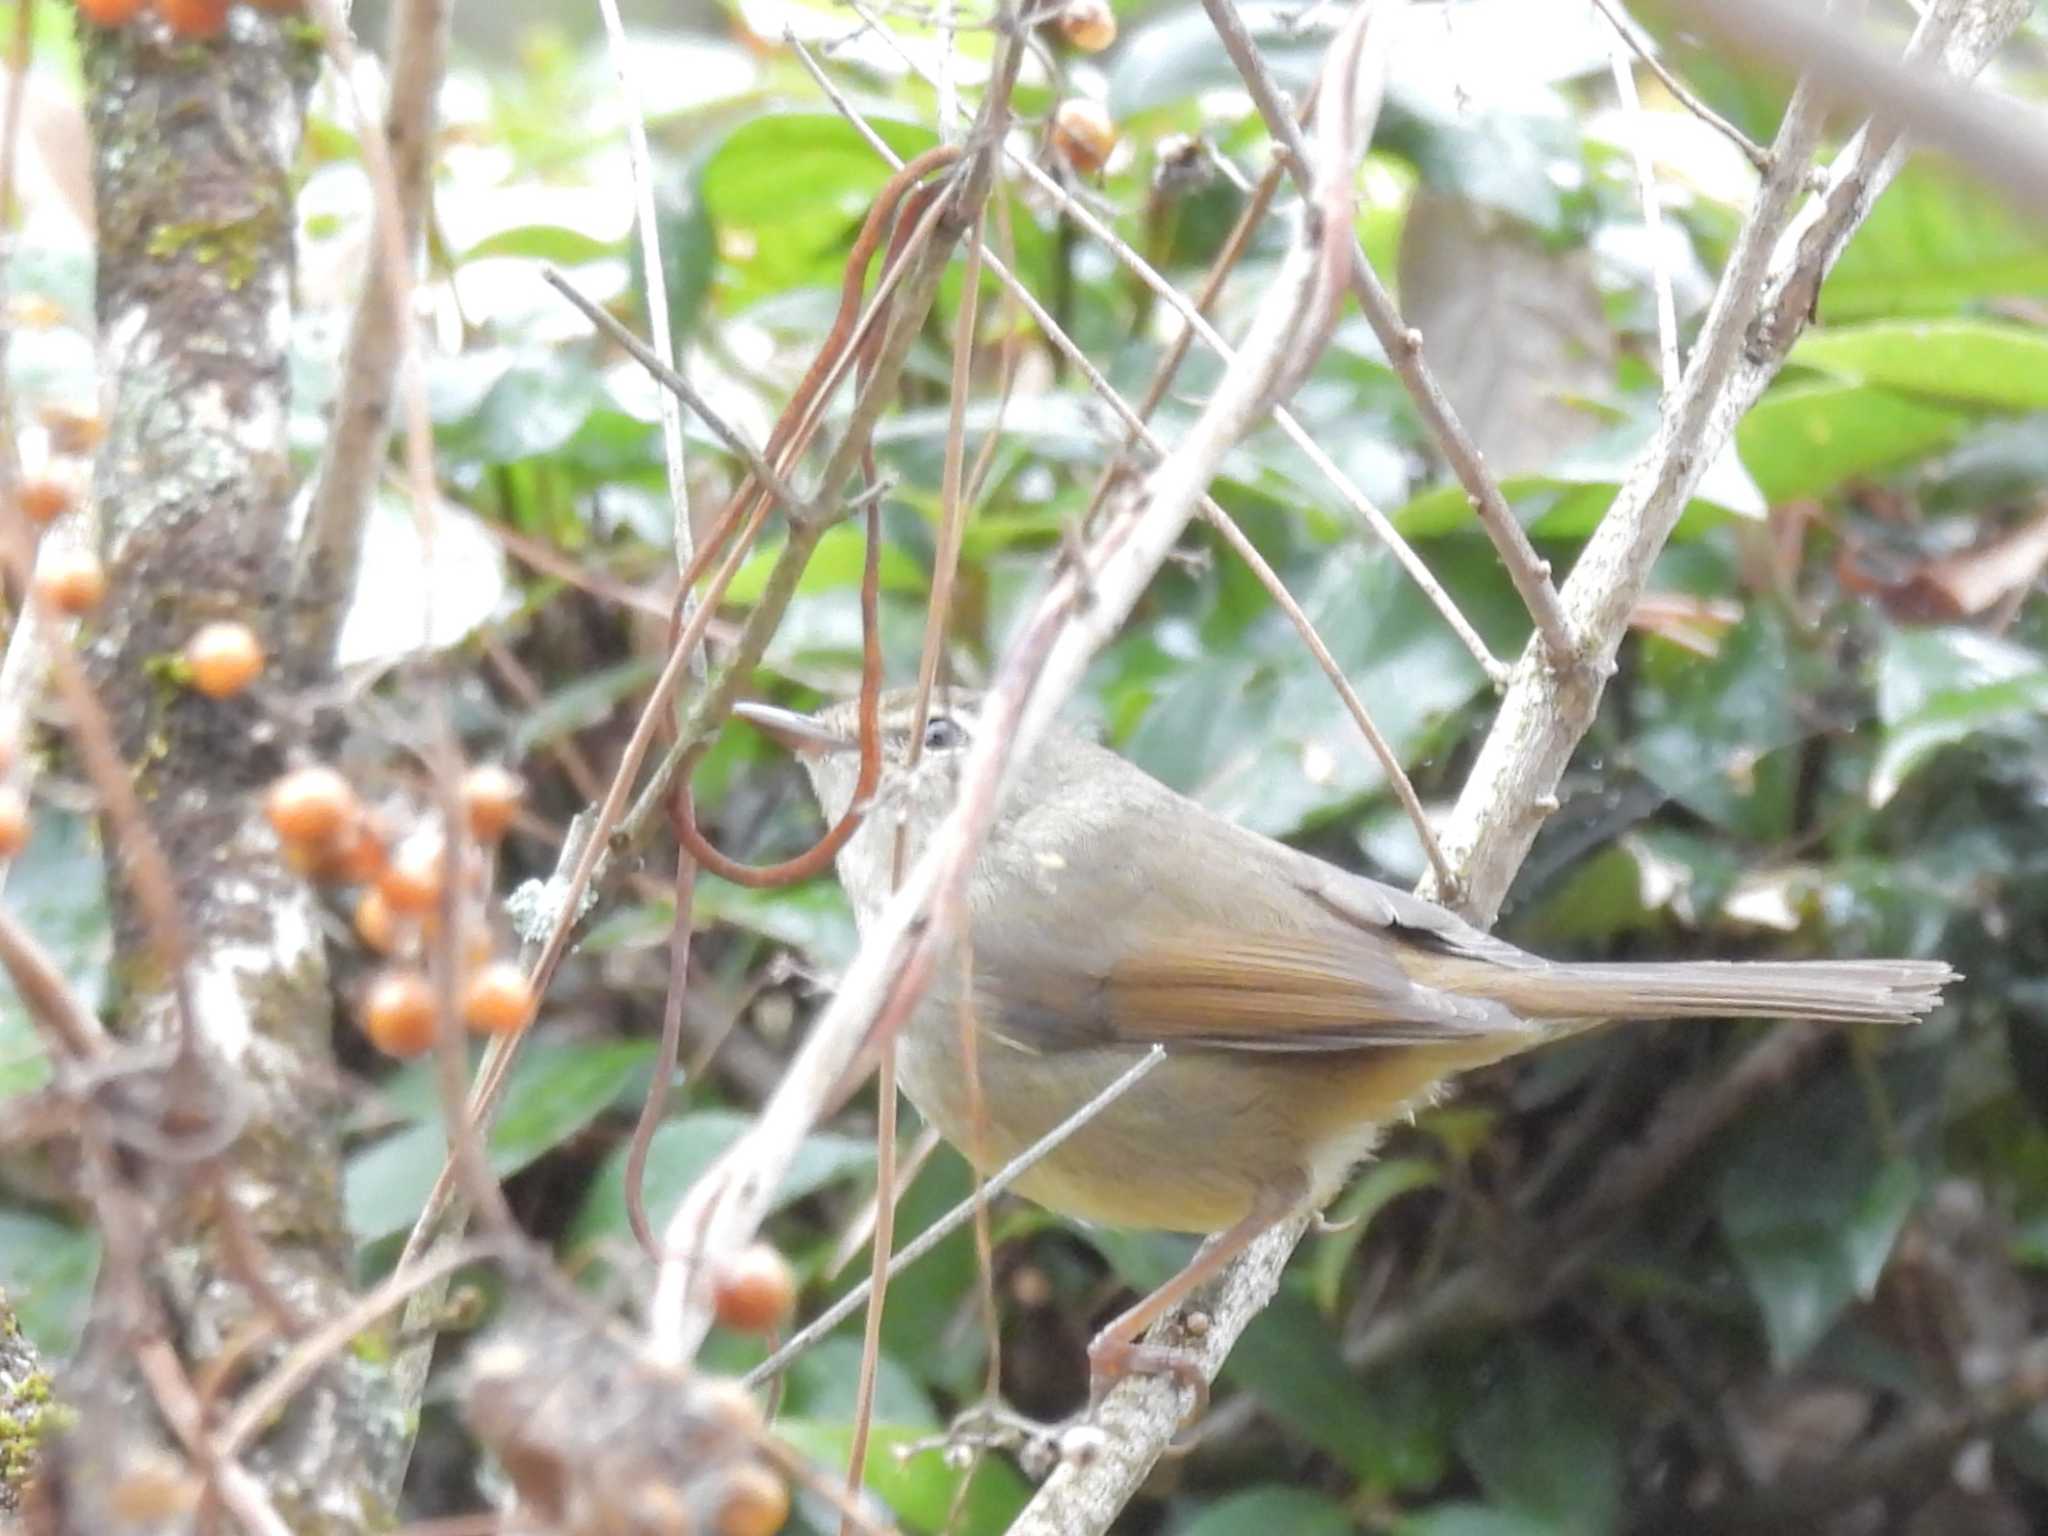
1828, 991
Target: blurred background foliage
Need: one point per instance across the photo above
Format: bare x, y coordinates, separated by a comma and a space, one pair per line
1828, 736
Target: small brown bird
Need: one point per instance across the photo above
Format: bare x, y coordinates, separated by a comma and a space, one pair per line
1301, 1008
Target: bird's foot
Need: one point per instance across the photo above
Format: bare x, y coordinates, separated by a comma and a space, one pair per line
1110, 1359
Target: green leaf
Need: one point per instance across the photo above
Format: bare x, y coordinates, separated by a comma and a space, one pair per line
1935, 242
1175, 57
1952, 718
1967, 362
919, 1489
555, 1091
835, 565
57, 890
543, 242
1541, 1441
1271, 1511
1806, 439
787, 192
46, 1272
1937, 687
682, 1149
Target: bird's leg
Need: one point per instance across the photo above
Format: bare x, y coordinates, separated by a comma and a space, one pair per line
1118, 1351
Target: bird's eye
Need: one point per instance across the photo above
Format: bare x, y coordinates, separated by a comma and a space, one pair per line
942, 734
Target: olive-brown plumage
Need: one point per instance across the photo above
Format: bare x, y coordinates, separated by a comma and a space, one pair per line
1301, 1007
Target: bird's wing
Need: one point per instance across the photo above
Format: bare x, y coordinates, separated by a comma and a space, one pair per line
1169, 966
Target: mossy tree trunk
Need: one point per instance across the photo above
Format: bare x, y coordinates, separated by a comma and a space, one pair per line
195, 147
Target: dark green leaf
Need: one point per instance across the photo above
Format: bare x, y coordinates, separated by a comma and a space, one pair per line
46, 1273
555, 1090
1811, 1200
1541, 1440
1389, 1430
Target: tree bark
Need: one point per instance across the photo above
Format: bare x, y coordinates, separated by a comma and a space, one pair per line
194, 147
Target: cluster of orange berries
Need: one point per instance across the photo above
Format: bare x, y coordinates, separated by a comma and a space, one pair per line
185, 18
328, 834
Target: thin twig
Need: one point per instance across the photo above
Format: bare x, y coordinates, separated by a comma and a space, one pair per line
399, 155
1529, 572
1646, 50
676, 387
1653, 207
878, 1271
652, 274
47, 996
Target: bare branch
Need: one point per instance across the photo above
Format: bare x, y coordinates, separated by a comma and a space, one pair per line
380, 333
2002, 140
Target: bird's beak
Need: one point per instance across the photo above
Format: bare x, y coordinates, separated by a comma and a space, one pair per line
800, 733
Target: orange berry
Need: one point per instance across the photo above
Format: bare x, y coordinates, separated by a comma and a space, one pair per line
755, 1503
224, 658
110, 13
754, 1291
311, 808
498, 1000
1083, 134
376, 925
490, 799
398, 1013
72, 583
411, 883
45, 498
13, 821
1089, 25
194, 18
